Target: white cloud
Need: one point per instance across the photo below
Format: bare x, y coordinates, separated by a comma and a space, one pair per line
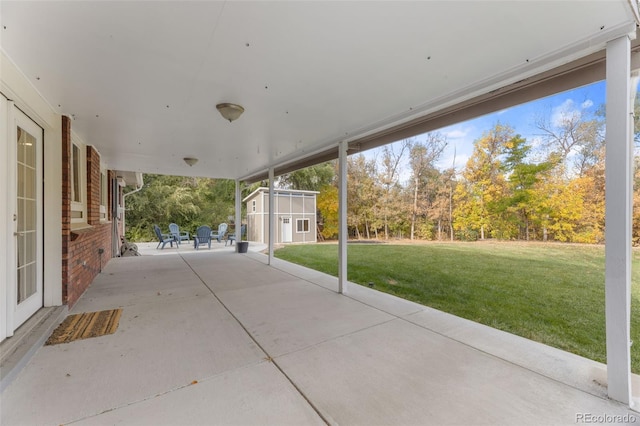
587, 104
568, 110
457, 133
535, 142
565, 111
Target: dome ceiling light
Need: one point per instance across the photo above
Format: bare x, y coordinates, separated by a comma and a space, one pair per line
230, 111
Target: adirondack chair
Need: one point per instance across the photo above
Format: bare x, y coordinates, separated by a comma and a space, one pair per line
202, 237
164, 238
232, 237
222, 231
174, 229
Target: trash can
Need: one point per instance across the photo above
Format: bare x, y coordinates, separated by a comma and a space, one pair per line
243, 246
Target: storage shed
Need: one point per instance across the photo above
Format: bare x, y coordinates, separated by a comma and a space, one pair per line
295, 212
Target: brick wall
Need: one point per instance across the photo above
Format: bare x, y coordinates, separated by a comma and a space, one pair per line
93, 186
85, 260
82, 259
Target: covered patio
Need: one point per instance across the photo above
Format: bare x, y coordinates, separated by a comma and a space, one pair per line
103, 89
217, 337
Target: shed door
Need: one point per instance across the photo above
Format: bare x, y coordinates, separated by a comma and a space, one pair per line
287, 230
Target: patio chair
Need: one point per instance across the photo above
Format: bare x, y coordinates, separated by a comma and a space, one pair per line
202, 237
174, 230
222, 231
164, 238
232, 237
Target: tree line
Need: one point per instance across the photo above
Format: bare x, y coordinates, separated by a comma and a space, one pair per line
550, 188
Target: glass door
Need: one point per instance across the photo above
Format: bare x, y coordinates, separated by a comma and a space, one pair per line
27, 218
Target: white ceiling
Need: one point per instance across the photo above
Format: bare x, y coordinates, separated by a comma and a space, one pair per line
142, 78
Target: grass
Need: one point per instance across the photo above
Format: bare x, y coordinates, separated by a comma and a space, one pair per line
550, 293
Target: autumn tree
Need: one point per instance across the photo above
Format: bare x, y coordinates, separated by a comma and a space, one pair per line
388, 175
483, 184
521, 206
362, 194
327, 205
425, 179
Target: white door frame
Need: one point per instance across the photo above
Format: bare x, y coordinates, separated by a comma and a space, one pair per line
18, 314
4, 219
286, 230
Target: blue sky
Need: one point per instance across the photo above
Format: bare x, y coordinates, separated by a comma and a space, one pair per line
521, 118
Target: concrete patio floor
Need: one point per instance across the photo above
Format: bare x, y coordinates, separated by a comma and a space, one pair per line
216, 337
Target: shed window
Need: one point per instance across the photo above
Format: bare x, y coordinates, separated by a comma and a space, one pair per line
302, 225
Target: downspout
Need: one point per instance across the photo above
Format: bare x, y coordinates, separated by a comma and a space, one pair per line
139, 186
115, 244
115, 248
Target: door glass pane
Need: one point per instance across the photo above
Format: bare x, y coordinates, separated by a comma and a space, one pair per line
20, 252
29, 182
29, 150
29, 215
21, 142
27, 218
29, 247
20, 218
26, 282
31, 282
21, 184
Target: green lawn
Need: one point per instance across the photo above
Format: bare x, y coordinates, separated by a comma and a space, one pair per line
551, 293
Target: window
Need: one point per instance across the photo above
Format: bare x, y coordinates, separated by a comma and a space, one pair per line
75, 173
104, 195
253, 205
302, 225
78, 183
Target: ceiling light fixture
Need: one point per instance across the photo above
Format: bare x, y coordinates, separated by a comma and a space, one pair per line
190, 161
230, 111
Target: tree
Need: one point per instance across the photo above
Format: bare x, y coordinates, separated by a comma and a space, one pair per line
483, 184
521, 203
310, 178
188, 201
425, 176
362, 193
392, 155
327, 204
573, 136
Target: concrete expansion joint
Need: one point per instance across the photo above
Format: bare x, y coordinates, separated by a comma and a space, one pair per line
268, 357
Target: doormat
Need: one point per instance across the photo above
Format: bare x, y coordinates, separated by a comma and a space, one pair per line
86, 325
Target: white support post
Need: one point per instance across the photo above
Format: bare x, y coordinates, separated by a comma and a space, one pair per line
619, 204
238, 217
343, 236
272, 221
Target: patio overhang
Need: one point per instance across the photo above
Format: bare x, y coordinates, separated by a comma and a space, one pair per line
581, 72
144, 94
